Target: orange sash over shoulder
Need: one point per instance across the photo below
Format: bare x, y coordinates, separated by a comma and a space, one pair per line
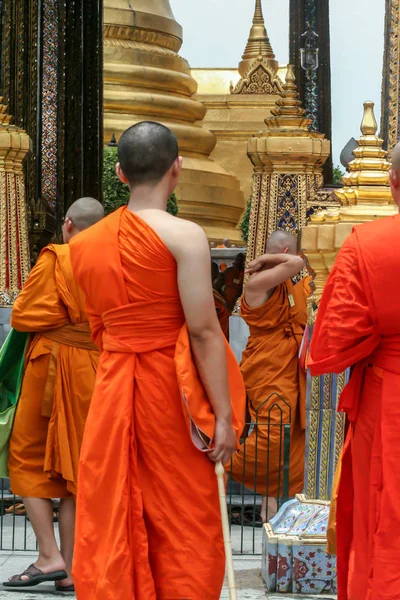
156, 533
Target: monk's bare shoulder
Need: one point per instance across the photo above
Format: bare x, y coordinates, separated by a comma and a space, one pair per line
180, 236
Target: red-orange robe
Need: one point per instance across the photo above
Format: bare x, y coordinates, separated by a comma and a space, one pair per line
148, 517
58, 380
358, 324
275, 386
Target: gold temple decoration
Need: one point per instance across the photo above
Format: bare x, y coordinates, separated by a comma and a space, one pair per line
260, 79
258, 45
146, 79
289, 112
14, 244
288, 161
258, 68
366, 190
365, 196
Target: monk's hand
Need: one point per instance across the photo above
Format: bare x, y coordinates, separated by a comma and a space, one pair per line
224, 442
253, 267
265, 262
257, 265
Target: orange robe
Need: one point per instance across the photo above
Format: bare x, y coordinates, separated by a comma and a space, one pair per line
358, 325
222, 313
275, 386
148, 517
58, 380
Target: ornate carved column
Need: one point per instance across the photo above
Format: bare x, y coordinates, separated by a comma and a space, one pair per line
390, 80
15, 144
51, 78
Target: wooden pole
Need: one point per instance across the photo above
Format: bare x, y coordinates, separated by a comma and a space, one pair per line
220, 472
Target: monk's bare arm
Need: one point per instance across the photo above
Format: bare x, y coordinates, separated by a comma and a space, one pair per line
191, 251
267, 272
38, 307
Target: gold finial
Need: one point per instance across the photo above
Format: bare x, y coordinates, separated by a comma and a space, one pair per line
289, 111
258, 43
369, 125
290, 77
366, 188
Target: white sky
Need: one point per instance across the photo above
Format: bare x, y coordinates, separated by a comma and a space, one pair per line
215, 34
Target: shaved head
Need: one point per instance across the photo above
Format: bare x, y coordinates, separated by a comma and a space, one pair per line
280, 242
146, 152
85, 212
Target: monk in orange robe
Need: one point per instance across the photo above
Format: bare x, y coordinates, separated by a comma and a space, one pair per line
220, 304
358, 325
275, 310
169, 399
58, 383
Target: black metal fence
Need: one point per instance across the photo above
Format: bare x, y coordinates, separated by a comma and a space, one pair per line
263, 465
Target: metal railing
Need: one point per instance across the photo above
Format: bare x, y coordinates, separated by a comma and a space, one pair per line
269, 468
272, 419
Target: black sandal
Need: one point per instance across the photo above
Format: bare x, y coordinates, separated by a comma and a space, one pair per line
35, 576
252, 518
236, 516
67, 588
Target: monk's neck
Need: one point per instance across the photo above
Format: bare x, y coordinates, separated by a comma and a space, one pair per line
145, 197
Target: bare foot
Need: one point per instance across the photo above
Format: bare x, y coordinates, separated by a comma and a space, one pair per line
268, 509
272, 508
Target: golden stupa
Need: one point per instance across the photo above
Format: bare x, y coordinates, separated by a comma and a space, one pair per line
146, 79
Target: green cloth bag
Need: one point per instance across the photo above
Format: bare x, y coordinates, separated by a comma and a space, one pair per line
12, 357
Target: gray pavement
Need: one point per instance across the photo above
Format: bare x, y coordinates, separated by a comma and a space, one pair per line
248, 579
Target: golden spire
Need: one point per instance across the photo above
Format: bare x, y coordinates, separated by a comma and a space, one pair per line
258, 44
289, 112
366, 189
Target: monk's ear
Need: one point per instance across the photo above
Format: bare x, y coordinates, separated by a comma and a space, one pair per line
177, 166
120, 174
68, 224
